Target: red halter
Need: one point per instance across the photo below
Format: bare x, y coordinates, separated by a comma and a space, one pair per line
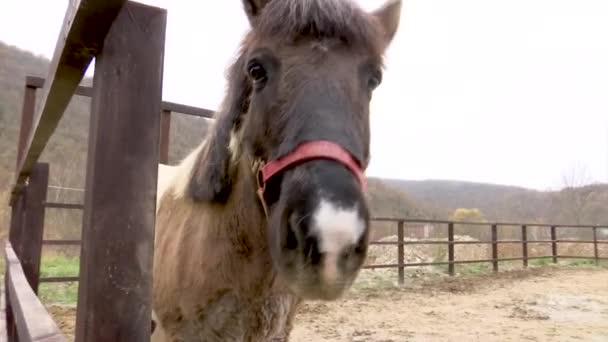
320, 149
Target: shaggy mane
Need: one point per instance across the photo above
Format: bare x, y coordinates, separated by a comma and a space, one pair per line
341, 19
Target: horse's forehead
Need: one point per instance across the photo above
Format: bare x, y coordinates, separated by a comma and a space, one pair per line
315, 50
323, 45
304, 45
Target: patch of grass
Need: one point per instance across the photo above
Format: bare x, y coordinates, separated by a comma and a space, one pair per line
59, 293
541, 262
374, 281
578, 262
477, 268
59, 266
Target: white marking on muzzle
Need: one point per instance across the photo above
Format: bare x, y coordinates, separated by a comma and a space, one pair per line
335, 228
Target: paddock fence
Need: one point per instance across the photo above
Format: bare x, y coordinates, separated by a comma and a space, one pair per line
126, 40
494, 242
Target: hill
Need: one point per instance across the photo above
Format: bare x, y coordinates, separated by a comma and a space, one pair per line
67, 148
439, 199
572, 205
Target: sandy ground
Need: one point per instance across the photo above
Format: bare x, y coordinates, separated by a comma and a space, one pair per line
538, 304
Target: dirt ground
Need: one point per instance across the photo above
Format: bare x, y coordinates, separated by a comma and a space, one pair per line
542, 304
538, 304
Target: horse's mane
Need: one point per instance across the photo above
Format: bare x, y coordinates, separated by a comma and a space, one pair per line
283, 21
343, 19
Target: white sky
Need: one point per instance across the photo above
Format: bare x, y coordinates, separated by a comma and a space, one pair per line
510, 92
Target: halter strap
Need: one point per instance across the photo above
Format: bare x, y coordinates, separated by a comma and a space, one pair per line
319, 149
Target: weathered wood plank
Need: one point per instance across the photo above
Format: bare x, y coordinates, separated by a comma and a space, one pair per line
27, 116
3, 332
38, 82
188, 110
16, 229
115, 288
33, 322
59, 279
61, 242
85, 26
54, 205
165, 135
14, 237
33, 227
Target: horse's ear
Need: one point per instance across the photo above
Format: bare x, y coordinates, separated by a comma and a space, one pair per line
216, 168
388, 16
253, 9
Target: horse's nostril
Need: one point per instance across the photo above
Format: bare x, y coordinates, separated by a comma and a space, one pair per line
359, 249
347, 252
350, 254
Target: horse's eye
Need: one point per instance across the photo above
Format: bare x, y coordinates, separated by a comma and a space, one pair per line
374, 80
256, 72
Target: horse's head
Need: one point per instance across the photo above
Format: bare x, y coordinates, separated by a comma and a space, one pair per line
298, 106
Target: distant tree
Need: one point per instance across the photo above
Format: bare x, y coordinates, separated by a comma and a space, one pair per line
574, 198
576, 176
470, 215
467, 214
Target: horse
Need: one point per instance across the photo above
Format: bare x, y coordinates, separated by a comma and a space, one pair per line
269, 210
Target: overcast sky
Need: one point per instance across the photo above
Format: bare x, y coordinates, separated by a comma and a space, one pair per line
509, 92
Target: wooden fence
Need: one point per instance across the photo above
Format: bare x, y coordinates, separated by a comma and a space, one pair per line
126, 39
167, 109
494, 242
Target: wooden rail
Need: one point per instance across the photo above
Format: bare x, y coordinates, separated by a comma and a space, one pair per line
127, 41
401, 244
167, 109
114, 299
494, 242
27, 319
38, 82
85, 26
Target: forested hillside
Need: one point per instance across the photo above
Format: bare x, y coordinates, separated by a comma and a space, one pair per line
587, 204
398, 198
67, 149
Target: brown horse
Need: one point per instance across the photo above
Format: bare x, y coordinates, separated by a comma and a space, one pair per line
270, 209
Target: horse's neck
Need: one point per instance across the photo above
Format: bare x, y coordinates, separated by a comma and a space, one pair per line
242, 213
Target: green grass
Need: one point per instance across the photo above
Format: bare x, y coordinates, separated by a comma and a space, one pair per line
481, 268
59, 293
541, 262
59, 266
67, 293
580, 262
477, 268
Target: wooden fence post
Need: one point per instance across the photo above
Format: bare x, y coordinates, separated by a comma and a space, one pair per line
400, 254
33, 224
595, 249
14, 237
11, 328
554, 243
165, 132
27, 118
16, 227
115, 289
495, 247
451, 248
18, 210
524, 244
